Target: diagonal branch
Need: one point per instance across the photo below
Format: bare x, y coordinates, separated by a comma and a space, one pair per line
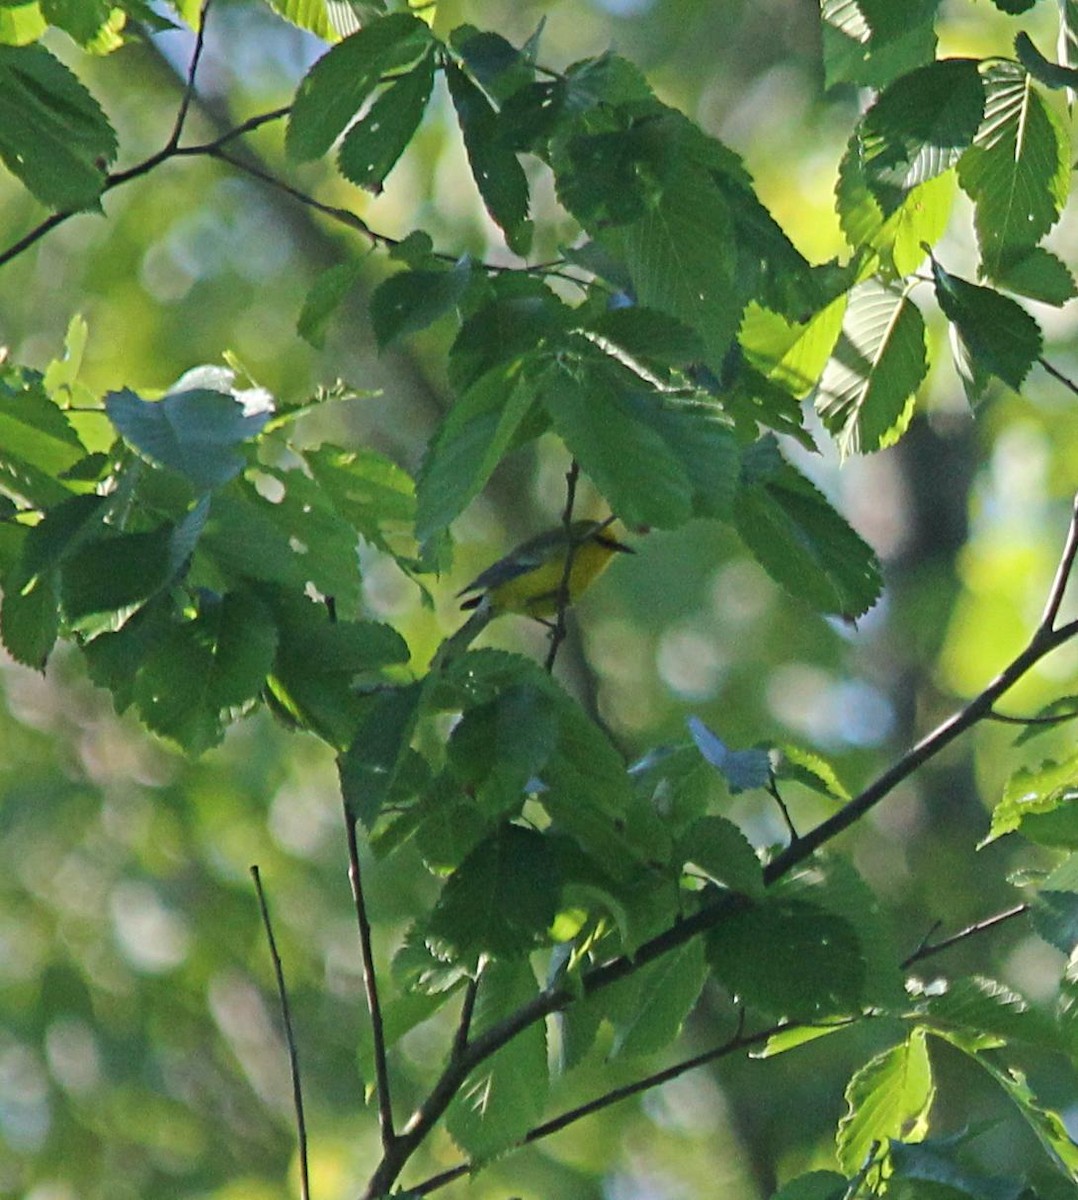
189, 83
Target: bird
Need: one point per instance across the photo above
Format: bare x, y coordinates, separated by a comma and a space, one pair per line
547, 571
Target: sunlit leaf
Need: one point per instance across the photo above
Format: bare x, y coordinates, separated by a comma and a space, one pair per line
868, 389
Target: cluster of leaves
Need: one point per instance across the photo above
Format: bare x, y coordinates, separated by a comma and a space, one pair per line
203, 561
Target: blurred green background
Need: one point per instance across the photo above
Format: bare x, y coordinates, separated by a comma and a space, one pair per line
139, 1044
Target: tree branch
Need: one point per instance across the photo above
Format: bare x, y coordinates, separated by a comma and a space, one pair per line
928, 949
290, 1040
189, 84
1045, 639
370, 987
559, 628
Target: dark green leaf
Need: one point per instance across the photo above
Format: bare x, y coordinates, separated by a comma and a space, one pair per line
371, 147
852, 53
368, 490
499, 67
502, 1099
498, 175
1014, 7
108, 574
369, 766
499, 746
984, 1011
998, 335
1054, 915
35, 434
30, 617
412, 300
800, 539
812, 966
868, 389
682, 258
501, 899
53, 134
920, 126
335, 88
718, 847
1018, 172
479, 429
1038, 274
816, 1185
324, 297
197, 433
663, 994
936, 1165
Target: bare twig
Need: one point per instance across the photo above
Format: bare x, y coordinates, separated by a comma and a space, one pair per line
1058, 375
1063, 574
290, 1041
464, 1025
928, 949
189, 83
370, 987
559, 628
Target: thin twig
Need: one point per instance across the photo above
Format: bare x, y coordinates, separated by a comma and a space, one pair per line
1041, 719
189, 83
776, 795
928, 949
464, 1025
370, 987
1058, 375
290, 1041
1063, 573
559, 629
614, 1096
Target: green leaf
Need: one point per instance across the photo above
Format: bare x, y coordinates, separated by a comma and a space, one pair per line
791, 353
411, 300
111, 573
811, 770
1018, 172
1041, 803
1038, 274
94, 24
718, 847
681, 258
501, 899
499, 746
197, 433
34, 432
752, 949
205, 667
1047, 1125
502, 1099
1054, 915
371, 147
369, 767
53, 134
495, 168
984, 1011
816, 1185
920, 125
663, 995
324, 297
335, 88
998, 335
894, 244
853, 52
868, 389
30, 617
307, 14
889, 1097
470, 443
800, 539
606, 428
366, 488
